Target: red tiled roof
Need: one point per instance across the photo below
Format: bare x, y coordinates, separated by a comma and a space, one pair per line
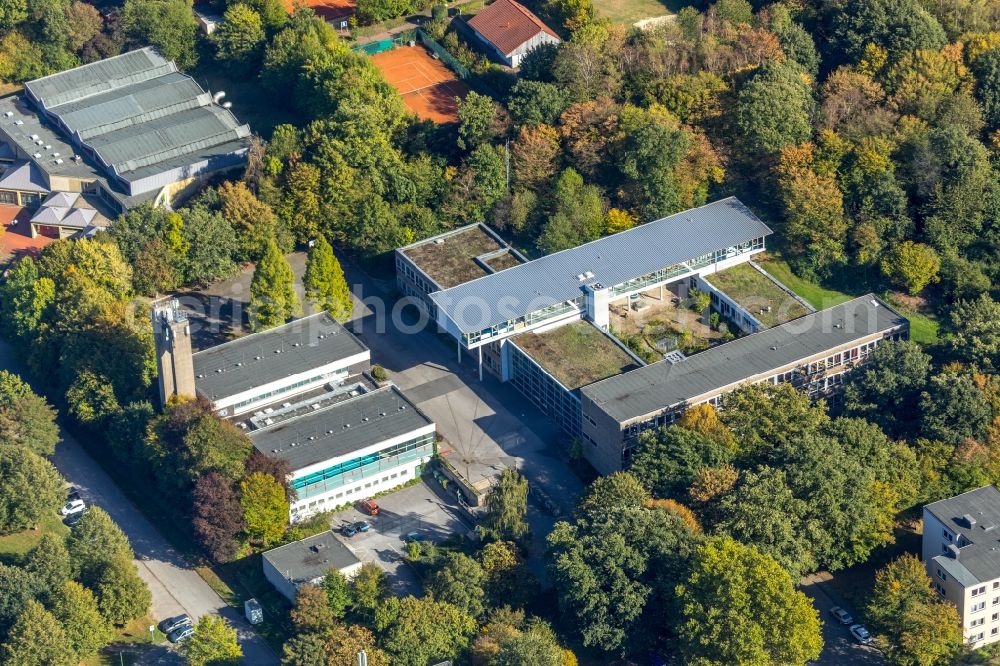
507, 24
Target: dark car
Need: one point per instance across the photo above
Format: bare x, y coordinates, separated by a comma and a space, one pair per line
348, 530
180, 633
414, 537
72, 493
171, 624
362, 526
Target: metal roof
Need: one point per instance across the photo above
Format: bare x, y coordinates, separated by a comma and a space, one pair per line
979, 560
23, 176
306, 560
341, 428
254, 360
552, 279
665, 385
99, 77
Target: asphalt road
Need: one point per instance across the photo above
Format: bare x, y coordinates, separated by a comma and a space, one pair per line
176, 587
839, 647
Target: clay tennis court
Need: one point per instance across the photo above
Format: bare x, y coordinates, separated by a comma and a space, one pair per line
427, 87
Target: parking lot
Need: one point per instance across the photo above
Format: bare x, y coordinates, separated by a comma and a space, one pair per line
420, 508
839, 647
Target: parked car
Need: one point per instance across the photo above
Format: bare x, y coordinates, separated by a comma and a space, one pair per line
180, 633
72, 493
348, 530
72, 506
73, 518
362, 526
843, 616
414, 537
171, 624
861, 634
370, 507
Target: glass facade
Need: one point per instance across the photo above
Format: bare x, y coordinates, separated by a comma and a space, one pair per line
542, 389
338, 375
532, 318
363, 467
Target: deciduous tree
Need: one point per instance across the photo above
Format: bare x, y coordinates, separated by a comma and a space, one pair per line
87, 631
26, 419
213, 643
506, 506
121, 595
416, 632
265, 508
30, 488
36, 638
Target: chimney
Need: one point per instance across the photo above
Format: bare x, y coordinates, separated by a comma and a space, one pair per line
174, 358
968, 521
953, 551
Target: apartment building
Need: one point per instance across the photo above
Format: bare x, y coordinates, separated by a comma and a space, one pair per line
961, 549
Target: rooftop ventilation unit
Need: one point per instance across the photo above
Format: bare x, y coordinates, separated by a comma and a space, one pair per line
59, 161
581, 277
34, 137
588, 274
18, 122
55, 154
438, 241
48, 146
968, 521
953, 551
37, 155
9, 114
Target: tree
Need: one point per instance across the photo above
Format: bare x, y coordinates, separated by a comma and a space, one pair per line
535, 152
312, 610
505, 508
265, 507
615, 491
339, 644
35, 639
667, 460
897, 26
20, 59
977, 332
272, 291
478, 117
218, 516
240, 36
952, 409
324, 281
213, 643
30, 488
48, 563
537, 646
26, 419
169, 25
24, 297
577, 216
773, 109
87, 631
508, 582
536, 102
987, 72
917, 625
416, 632
212, 245
570, 14
338, 593
912, 266
704, 420
17, 588
764, 417
121, 595
887, 390
368, 589
84, 23
12, 12
95, 542
740, 607
253, 221
459, 581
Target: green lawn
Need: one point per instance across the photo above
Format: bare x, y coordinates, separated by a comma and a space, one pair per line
13, 546
630, 11
923, 328
759, 296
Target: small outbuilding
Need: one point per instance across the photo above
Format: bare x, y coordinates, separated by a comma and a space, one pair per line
293, 565
510, 31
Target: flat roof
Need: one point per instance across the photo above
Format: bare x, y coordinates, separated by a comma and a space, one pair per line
449, 259
756, 292
979, 559
306, 560
254, 360
340, 428
576, 354
612, 260
664, 384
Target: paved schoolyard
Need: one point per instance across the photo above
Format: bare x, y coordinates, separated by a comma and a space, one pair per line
419, 508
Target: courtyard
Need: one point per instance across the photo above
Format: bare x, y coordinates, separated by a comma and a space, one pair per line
656, 322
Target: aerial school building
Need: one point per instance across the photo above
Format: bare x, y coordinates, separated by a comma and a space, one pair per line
546, 325
302, 393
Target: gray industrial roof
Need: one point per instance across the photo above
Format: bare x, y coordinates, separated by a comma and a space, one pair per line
341, 428
306, 560
665, 384
979, 560
139, 115
23, 176
552, 279
253, 360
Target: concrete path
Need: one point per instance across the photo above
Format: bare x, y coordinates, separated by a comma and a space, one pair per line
176, 587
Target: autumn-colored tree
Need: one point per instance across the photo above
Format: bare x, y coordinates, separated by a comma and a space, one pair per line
265, 508
704, 420
618, 220
535, 152
912, 266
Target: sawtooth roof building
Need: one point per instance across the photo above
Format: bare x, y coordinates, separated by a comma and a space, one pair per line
130, 129
546, 325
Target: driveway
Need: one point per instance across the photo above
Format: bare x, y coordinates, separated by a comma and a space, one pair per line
176, 587
839, 647
418, 508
